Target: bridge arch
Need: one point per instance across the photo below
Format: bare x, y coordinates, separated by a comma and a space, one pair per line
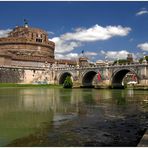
87, 78
118, 76
63, 76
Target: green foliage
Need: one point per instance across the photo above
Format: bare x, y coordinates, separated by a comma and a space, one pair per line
141, 59
121, 61
68, 82
146, 57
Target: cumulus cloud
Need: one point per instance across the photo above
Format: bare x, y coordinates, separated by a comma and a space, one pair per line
62, 45
50, 33
69, 41
142, 12
90, 53
114, 55
70, 56
4, 33
96, 33
74, 56
143, 46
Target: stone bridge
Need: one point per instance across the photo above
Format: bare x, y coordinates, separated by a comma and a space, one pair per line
81, 76
110, 75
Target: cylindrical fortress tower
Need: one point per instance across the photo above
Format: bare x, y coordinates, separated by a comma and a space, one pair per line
26, 44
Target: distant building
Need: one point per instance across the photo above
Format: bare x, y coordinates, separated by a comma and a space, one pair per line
100, 63
64, 62
129, 58
83, 61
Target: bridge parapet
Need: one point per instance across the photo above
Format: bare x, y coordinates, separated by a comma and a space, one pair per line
108, 73
98, 66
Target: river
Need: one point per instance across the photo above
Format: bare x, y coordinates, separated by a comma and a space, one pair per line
25, 111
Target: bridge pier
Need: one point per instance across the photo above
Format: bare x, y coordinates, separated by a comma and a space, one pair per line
144, 82
103, 84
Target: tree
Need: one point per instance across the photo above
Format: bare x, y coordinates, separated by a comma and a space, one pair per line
141, 59
68, 82
120, 61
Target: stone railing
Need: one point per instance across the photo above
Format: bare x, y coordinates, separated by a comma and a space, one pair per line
99, 66
58, 68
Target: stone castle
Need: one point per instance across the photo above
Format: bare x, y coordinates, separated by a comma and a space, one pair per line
27, 46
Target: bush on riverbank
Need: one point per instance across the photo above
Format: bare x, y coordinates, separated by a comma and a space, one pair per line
68, 82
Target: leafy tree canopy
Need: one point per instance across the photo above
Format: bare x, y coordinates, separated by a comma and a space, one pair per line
68, 82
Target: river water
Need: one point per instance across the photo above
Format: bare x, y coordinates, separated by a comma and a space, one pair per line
24, 111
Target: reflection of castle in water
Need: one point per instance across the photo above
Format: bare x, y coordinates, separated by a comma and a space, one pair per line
44, 100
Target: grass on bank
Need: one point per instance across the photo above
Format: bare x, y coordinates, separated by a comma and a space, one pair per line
30, 85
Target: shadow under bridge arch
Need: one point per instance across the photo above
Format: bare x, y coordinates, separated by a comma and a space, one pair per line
87, 79
119, 75
63, 76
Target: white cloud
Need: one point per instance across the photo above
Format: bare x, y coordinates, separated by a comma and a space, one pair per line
102, 52
62, 45
114, 55
70, 56
138, 55
90, 53
50, 33
74, 56
4, 33
69, 41
143, 11
96, 33
143, 46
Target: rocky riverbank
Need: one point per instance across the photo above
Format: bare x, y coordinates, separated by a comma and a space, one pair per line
90, 129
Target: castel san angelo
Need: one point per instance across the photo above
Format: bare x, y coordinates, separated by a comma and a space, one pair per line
26, 44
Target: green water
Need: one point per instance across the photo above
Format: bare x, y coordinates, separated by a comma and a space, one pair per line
24, 111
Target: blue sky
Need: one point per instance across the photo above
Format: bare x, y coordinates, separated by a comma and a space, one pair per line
108, 30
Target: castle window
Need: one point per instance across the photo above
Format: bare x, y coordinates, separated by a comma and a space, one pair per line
39, 40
